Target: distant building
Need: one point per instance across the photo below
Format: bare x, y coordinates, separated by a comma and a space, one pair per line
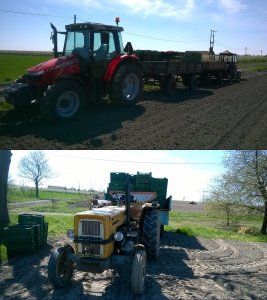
55, 187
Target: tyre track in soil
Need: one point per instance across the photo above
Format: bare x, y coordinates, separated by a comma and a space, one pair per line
188, 268
232, 117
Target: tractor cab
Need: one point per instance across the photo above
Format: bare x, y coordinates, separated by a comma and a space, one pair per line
228, 57
231, 60
95, 45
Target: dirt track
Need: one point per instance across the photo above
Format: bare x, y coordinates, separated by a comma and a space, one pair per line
228, 117
188, 268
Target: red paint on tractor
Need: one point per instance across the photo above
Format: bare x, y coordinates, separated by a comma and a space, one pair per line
114, 64
55, 68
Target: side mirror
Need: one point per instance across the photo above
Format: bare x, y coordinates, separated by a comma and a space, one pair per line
128, 48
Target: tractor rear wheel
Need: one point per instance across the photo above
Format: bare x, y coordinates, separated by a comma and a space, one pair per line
151, 233
139, 272
63, 101
60, 267
127, 85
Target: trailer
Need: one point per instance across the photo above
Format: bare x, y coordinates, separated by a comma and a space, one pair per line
192, 67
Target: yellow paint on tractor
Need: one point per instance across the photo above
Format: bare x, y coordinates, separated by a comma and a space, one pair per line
111, 218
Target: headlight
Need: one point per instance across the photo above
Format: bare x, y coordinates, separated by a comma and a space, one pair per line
118, 236
70, 234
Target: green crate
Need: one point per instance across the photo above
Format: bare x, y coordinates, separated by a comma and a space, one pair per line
144, 186
16, 248
20, 232
143, 178
44, 233
159, 183
117, 177
116, 186
31, 219
24, 234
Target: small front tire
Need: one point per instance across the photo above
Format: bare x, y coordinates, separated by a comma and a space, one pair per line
139, 272
60, 267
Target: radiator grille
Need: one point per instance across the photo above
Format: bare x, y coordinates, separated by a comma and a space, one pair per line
91, 228
91, 249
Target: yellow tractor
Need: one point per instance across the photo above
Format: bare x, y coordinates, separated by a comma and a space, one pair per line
118, 236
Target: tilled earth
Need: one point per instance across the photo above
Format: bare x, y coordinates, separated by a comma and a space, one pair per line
232, 116
188, 268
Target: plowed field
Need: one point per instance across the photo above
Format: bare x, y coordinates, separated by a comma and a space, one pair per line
232, 116
188, 268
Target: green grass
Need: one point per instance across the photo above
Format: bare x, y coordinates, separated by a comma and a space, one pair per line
16, 194
12, 66
201, 224
252, 64
5, 106
64, 207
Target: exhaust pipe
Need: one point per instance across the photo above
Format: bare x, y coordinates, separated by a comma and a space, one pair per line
54, 40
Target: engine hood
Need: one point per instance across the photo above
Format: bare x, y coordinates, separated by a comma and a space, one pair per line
52, 64
48, 72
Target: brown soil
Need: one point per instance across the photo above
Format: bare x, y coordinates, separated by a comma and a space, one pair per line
188, 268
232, 116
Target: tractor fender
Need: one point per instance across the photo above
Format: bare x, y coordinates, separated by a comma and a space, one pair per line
116, 62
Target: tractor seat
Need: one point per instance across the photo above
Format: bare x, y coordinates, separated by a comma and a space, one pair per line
101, 53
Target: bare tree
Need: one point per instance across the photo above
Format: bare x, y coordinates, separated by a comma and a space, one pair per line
35, 167
244, 183
5, 159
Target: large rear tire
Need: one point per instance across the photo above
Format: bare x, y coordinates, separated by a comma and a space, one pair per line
63, 101
127, 85
60, 267
139, 272
151, 233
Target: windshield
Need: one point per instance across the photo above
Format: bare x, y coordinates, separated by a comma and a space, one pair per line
78, 40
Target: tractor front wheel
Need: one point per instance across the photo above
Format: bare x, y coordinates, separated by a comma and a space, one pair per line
63, 101
139, 272
127, 85
60, 267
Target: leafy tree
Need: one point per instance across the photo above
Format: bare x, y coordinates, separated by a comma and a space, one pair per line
243, 184
35, 167
5, 159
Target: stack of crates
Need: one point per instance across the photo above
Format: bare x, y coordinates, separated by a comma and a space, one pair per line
117, 182
159, 185
143, 182
26, 237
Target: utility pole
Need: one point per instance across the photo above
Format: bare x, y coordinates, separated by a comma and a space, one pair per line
212, 41
74, 19
246, 50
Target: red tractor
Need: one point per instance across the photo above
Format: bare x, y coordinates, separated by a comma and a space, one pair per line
93, 65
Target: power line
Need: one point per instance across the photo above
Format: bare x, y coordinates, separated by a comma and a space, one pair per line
165, 40
146, 162
32, 14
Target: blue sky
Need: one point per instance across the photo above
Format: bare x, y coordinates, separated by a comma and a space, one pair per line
185, 23
187, 176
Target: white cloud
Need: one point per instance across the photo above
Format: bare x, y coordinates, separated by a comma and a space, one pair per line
232, 6
157, 8
178, 8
